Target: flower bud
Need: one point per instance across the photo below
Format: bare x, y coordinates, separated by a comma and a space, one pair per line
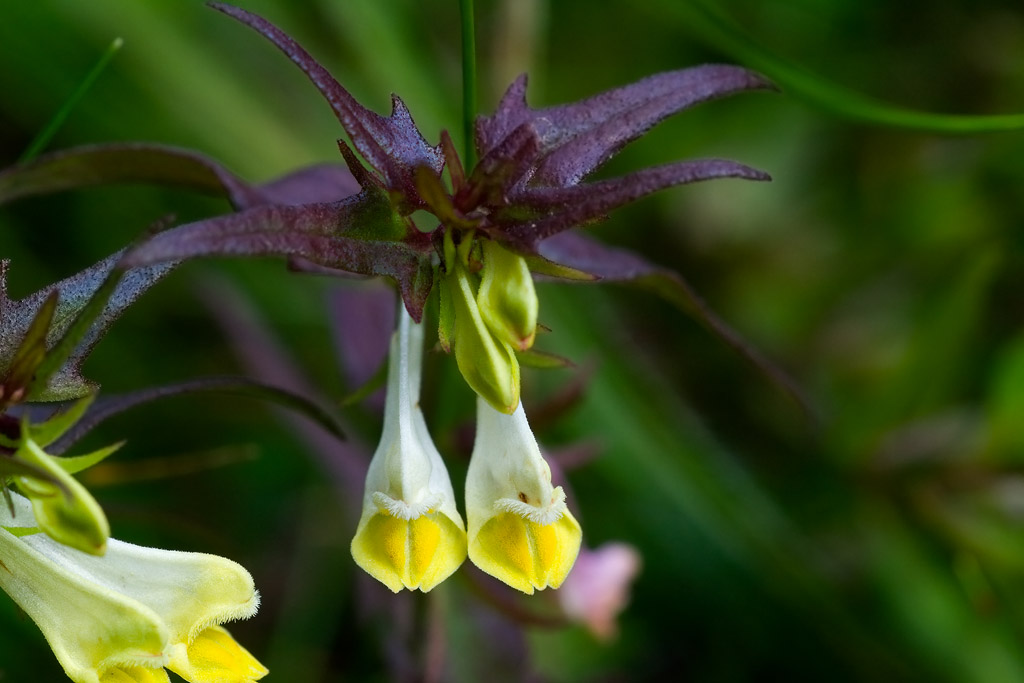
66, 513
520, 530
488, 364
507, 300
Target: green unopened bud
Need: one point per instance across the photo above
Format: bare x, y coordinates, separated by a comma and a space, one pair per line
488, 364
67, 512
507, 300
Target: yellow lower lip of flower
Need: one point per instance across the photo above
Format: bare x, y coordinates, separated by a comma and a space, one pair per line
135, 674
215, 657
525, 554
409, 553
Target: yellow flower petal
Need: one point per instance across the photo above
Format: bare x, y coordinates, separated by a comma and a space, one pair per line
519, 528
409, 553
525, 554
215, 657
135, 674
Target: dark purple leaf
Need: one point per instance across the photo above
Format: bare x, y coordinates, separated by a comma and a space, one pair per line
74, 294
577, 138
107, 407
362, 320
511, 113
393, 145
309, 185
360, 234
502, 168
577, 204
93, 165
79, 333
121, 163
621, 265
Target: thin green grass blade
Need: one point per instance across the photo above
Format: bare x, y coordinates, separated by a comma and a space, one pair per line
46, 134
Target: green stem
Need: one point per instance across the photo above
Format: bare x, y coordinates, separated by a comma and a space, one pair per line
43, 139
468, 80
709, 23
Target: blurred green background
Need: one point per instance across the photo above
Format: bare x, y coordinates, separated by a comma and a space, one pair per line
882, 539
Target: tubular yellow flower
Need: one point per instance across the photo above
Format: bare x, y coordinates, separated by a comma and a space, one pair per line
124, 616
410, 534
520, 530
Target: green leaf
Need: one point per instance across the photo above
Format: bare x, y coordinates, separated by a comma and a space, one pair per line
20, 531
52, 429
543, 360
542, 266
77, 463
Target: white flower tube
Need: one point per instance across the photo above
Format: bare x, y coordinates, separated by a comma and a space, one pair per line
410, 534
520, 530
128, 614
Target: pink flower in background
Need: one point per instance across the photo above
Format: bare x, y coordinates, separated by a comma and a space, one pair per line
598, 587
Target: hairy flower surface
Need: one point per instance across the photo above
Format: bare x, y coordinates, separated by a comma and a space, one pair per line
128, 614
410, 534
520, 529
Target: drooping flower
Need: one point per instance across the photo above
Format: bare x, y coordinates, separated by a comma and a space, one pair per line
520, 529
128, 614
410, 534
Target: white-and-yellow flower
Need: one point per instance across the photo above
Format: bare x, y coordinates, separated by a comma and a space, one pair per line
520, 530
410, 534
125, 616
